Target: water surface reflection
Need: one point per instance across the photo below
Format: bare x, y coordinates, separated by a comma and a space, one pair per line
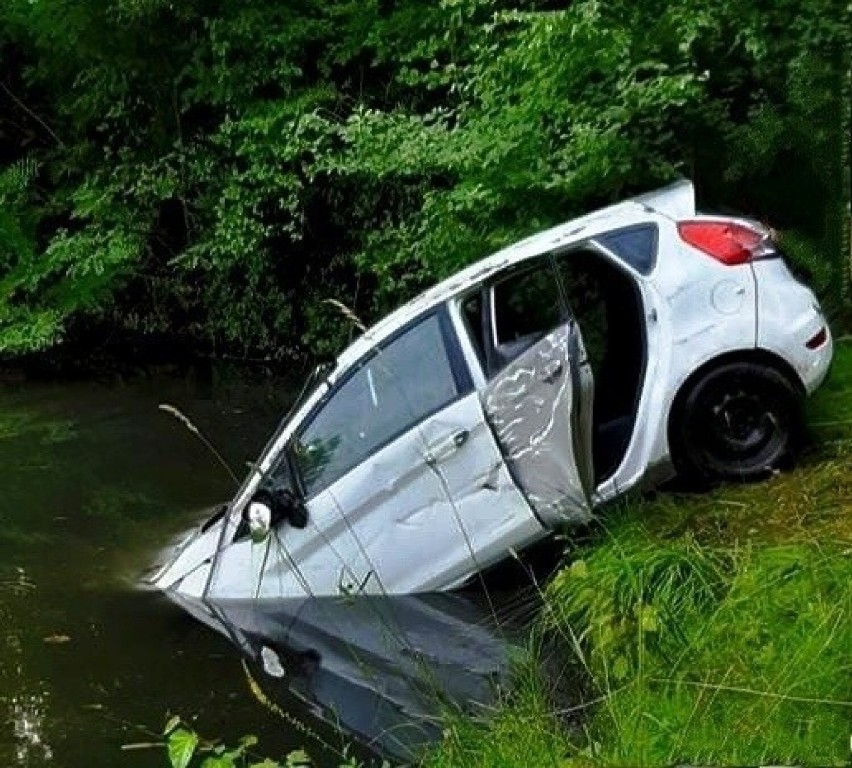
379, 668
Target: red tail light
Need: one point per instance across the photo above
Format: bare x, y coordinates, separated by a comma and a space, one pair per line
726, 241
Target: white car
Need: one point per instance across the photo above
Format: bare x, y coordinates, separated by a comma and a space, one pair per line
638, 341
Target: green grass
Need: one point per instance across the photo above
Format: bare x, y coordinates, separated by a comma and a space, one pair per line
712, 628
522, 730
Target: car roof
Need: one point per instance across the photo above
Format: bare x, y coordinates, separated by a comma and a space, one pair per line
676, 201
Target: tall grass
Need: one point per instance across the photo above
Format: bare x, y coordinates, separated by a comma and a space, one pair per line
521, 730
632, 585
693, 655
711, 629
705, 655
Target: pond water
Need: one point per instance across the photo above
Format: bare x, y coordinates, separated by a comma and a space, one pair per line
96, 479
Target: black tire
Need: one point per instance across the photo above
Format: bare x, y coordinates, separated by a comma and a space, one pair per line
739, 421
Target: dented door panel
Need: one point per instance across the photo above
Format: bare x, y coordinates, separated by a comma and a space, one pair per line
411, 519
461, 515
535, 407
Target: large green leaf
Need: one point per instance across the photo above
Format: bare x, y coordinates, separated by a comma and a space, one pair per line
181, 747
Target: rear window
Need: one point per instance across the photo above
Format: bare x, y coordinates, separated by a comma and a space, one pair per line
635, 246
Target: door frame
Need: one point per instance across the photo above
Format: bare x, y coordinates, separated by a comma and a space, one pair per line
483, 368
487, 362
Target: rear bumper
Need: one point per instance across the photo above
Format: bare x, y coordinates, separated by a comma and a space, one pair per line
816, 368
788, 318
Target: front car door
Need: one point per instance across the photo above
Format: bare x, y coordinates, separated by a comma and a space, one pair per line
405, 486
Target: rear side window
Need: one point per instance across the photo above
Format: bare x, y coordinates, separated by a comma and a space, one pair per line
403, 383
526, 306
635, 245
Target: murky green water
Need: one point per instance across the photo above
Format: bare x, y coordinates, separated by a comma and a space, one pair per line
95, 480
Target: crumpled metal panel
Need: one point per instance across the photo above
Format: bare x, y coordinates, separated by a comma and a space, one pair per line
423, 513
532, 408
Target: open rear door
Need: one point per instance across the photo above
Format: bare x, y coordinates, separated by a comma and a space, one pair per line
539, 407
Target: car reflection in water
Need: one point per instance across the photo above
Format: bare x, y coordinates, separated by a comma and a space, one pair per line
379, 667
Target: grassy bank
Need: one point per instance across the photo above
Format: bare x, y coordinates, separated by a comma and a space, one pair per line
712, 628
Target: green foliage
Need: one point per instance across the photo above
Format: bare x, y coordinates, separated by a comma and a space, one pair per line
181, 747
759, 675
218, 171
808, 258
186, 749
22, 328
634, 586
16, 229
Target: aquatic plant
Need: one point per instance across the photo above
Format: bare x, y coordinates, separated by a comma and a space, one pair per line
186, 748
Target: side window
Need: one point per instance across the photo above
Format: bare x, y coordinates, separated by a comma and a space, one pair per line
402, 383
525, 307
636, 246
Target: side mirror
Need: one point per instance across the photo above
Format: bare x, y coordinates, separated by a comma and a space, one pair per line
259, 518
268, 507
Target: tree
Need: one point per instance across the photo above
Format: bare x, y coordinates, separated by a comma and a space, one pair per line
216, 170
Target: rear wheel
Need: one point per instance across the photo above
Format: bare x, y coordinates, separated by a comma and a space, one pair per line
739, 421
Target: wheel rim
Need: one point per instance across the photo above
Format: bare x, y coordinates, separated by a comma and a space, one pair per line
741, 426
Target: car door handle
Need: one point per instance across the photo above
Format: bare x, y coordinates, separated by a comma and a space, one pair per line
446, 447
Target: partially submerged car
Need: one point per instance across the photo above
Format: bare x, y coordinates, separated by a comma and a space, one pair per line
639, 341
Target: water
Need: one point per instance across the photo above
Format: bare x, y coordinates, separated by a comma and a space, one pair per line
96, 479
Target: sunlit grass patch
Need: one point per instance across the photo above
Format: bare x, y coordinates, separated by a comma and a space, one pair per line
704, 655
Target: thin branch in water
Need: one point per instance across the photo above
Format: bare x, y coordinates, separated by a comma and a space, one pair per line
183, 419
142, 745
